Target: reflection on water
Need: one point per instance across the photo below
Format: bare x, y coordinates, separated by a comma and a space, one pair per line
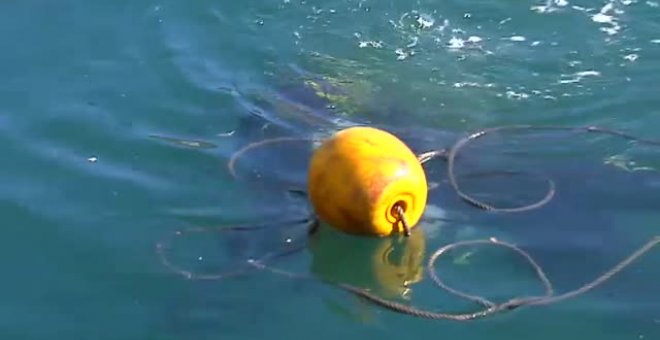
386, 266
86, 190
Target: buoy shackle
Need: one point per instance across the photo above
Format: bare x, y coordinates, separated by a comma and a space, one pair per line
400, 211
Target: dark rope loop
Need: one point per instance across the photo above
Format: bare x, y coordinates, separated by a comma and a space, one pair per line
231, 165
601, 279
461, 143
162, 246
164, 243
489, 307
492, 241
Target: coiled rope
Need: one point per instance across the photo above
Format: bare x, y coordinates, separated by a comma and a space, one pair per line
461, 143
488, 307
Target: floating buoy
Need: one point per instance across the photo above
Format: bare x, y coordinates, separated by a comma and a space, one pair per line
360, 175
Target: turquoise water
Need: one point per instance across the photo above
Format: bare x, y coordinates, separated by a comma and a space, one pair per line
118, 119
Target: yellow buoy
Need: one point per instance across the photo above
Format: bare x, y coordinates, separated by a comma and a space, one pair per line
358, 176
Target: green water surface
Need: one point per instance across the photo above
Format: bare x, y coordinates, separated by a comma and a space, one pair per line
117, 120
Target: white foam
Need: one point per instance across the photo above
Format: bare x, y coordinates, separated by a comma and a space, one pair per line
516, 95
605, 16
569, 81
577, 77
587, 73
472, 84
631, 57
611, 30
456, 43
652, 4
425, 21
602, 18
655, 41
517, 38
401, 54
549, 6
542, 9
370, 43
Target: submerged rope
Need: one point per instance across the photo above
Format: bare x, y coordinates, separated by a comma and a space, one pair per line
461, 143
309, 222
231, 165
488, 307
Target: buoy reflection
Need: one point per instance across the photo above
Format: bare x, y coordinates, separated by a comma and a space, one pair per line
386, 266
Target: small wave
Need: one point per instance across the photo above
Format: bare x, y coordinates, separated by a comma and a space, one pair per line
578, 76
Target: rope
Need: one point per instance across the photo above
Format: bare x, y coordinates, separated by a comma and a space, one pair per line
163, 244
231, 165
461, 143
488, 307
402, 217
